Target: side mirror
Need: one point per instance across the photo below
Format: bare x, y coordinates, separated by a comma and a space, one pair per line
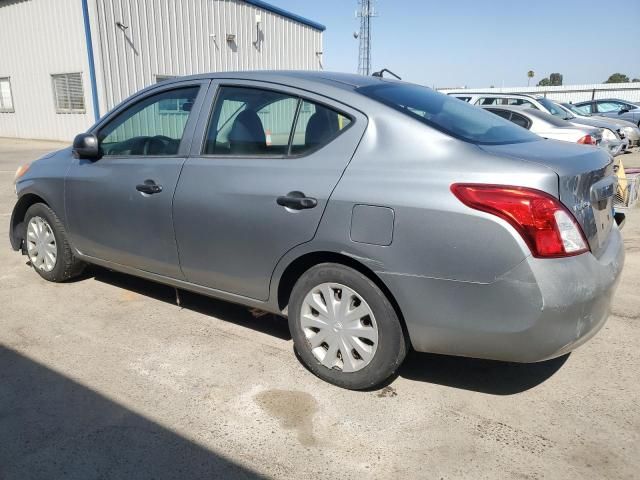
623, 110
85, 145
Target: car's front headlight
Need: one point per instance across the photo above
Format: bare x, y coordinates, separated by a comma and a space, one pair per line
609, 135
629, 130
21, 171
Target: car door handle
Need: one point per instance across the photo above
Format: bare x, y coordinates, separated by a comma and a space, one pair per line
296, 201
149, 187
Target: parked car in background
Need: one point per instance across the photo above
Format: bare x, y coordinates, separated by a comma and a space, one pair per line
381, 216
548, 126
613, 108
630, 130
613, 138
492, 98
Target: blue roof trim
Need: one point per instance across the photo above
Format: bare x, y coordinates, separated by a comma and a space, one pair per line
287, 14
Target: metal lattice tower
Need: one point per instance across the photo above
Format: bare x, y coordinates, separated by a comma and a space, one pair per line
366, 12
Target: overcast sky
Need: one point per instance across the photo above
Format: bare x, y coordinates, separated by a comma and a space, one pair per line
481, 43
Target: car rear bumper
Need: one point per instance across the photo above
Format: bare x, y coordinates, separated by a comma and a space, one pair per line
542, 308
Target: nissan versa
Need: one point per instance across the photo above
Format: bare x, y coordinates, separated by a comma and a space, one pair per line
375, 214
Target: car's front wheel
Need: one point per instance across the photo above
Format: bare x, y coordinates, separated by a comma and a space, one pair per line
47, 245
344, 328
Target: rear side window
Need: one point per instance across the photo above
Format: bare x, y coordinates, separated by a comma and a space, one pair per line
504, 101
256, 122
520, 120
316, 126
584, 109
447, 114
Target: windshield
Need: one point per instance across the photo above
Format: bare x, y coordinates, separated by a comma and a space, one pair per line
555, 109
448, 114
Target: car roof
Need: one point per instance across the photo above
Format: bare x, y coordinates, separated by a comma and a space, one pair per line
604, 100
495, 94
520, 109
292, 77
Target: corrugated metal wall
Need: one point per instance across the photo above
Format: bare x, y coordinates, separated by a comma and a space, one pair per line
39, 38
182, 37
568, 93
162, 37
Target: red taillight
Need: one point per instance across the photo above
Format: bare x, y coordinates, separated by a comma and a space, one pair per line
544, 223
587, 140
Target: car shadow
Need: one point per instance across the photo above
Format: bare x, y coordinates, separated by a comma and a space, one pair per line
264, 322
487, 376
54, 427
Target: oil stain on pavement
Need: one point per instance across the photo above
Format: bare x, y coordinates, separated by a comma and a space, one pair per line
293, 409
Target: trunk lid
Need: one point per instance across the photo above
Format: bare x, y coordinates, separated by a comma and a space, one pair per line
586, 181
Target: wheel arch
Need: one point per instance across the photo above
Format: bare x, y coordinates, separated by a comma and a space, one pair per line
16, 227
301, 264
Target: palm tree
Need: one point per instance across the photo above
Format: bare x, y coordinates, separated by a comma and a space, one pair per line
530, 75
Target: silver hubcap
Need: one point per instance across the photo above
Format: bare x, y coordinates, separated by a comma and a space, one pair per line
339, 326
41, 244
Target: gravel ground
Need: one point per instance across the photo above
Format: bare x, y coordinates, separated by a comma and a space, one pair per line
106, 377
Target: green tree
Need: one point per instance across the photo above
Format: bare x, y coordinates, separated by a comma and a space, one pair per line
636, 80
618, 78
530, 75
555, 79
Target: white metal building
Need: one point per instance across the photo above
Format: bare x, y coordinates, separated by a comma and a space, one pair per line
64, 63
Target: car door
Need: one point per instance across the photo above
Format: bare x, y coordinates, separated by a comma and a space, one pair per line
618, 110
257, 183
118, 207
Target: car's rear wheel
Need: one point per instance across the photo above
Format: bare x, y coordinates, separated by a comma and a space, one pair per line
344, 328
47, 245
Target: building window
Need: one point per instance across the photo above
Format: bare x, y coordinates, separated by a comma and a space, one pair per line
6, 99
68, 94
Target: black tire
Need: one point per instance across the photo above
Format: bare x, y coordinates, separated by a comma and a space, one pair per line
67, 266
391, 348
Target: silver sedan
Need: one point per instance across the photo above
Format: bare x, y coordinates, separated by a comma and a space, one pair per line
376, 215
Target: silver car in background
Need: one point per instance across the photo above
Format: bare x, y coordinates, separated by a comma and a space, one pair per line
376, 215
630, 130
612, 137
612, 108
548, 126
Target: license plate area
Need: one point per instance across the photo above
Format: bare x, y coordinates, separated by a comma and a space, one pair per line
603, 218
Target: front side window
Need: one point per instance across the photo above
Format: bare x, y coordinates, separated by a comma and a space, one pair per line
251, 121
6, 98
606, 107
447, 114
150, 127
68, 93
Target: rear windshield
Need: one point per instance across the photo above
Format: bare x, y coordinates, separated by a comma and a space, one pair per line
448, 114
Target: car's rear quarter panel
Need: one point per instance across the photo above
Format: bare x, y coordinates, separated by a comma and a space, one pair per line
450, 268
